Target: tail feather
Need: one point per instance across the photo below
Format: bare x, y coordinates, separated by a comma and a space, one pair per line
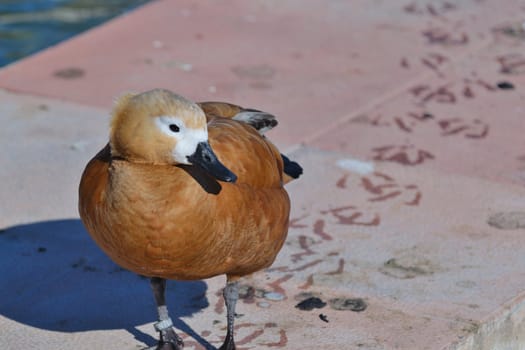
291, 168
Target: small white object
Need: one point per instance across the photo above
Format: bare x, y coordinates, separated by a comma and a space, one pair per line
157, 44
187, 67
263, 304
273, 296
356, 166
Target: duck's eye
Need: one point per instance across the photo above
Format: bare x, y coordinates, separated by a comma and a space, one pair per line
174, 128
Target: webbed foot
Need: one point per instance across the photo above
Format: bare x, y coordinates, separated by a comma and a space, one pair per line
228, 344
169, 340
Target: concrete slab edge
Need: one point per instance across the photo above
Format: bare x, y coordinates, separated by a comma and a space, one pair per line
504, 329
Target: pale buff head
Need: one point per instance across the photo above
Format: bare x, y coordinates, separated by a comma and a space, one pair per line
157, 126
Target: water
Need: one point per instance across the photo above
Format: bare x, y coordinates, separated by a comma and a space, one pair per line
27, 26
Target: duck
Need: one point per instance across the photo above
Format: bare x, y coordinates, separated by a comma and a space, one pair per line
187, 191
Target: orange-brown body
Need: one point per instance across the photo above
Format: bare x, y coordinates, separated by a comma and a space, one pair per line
176, 222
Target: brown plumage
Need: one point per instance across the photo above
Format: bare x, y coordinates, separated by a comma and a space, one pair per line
155, 209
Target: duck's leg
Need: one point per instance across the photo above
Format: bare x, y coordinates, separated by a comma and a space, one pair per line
231, 294
169, 340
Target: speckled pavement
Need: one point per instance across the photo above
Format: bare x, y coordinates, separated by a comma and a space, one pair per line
408, 224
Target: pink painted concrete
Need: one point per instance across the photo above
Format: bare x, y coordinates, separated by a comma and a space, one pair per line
414, 164
459, 122
314, 61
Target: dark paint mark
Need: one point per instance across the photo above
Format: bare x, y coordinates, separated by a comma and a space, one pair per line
434, 10
242, 325
341, 183
294, 222
441, 95
402, 125
512, 64
418, 89
276, 285
415, 201
394, 268
476, 129
515, 31
404, 63
250, 337
505, 85
385, 197
467, 92
352, 304
377, 121
309, 282
41, 250
262, 71
278, 268
310, 304
383, 176
410, 8
437, 36
305, 266
340, 268
219, 306
446, 93
303, 243
375, 189
382, 196
319, 230
70, 73
283, 340
402, 154
352, 218
507, 220
323, 318
482, 83
433, 61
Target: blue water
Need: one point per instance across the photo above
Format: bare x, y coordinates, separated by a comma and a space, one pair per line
29, 26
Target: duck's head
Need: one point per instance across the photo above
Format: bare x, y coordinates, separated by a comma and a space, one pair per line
160, 127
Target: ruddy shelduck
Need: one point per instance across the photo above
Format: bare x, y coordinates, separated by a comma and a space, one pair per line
187, 191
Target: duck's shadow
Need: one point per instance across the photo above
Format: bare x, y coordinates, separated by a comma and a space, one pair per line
52, 276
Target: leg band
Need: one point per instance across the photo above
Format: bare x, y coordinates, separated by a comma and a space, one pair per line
163, 325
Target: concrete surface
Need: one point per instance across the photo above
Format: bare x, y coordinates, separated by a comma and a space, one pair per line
408, 117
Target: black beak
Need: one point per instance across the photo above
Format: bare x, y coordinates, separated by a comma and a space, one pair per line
207, 160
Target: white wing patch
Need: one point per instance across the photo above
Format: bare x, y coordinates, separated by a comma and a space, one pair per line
261, 121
